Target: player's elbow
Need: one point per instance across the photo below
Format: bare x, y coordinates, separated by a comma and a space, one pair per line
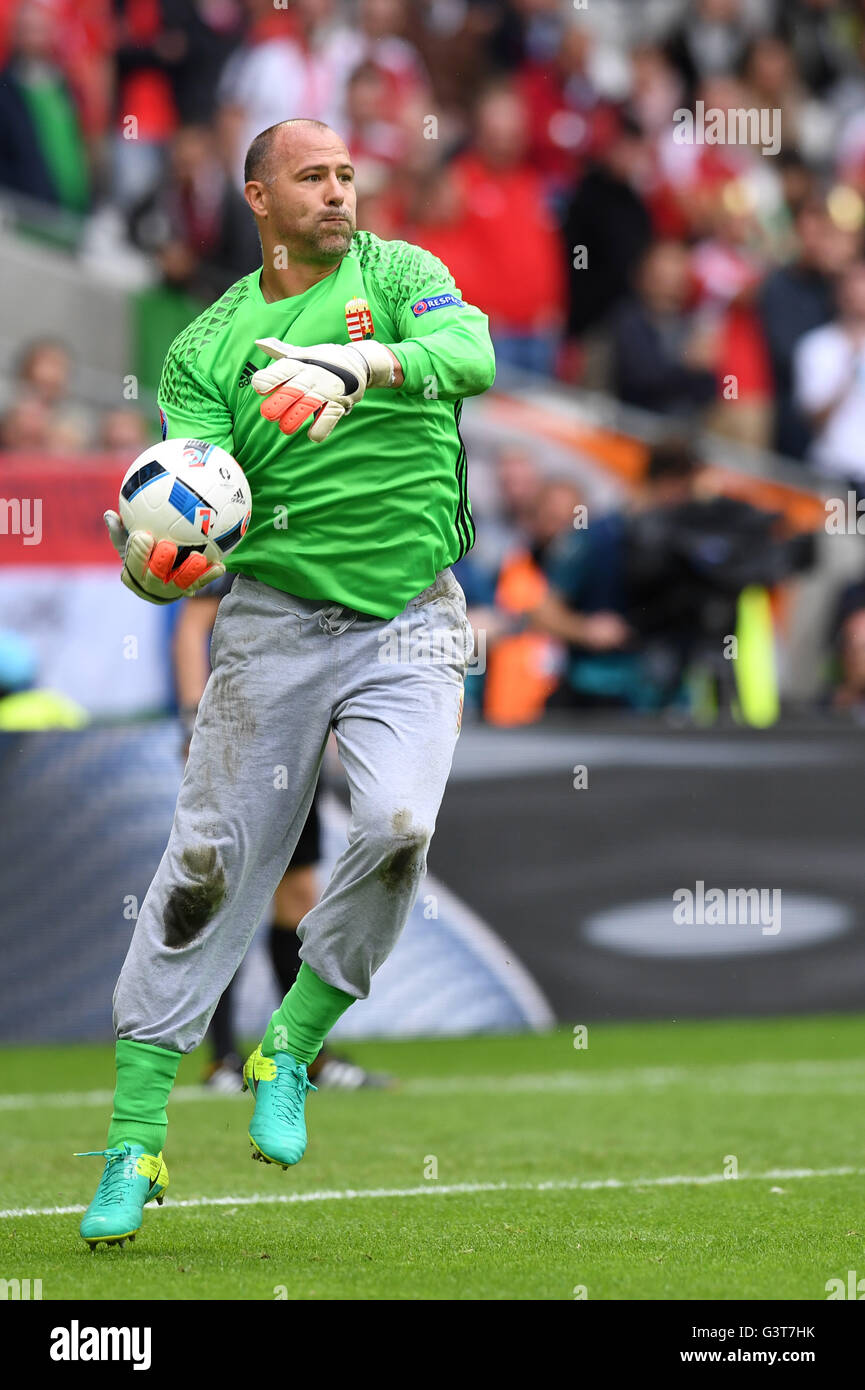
479, 373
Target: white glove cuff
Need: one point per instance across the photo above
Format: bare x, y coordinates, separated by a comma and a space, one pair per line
382, 369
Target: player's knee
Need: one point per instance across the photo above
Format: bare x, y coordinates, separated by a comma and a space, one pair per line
195, 896
398, 844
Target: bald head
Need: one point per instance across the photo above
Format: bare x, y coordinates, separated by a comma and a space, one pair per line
259, 163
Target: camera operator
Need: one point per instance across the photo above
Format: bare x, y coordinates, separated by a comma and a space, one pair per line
645, 594
688, 567
589, 602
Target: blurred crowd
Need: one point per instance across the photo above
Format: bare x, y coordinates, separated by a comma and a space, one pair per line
532, 144
43, 415
537, 147
531, 148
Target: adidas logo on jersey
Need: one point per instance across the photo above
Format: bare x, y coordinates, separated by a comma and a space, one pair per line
247, 374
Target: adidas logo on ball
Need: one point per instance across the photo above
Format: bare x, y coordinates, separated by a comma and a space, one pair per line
190, 492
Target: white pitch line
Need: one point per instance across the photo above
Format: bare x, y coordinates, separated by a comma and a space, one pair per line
846, 1075
434, 1189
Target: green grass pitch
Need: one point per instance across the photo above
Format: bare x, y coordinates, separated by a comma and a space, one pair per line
557, 1170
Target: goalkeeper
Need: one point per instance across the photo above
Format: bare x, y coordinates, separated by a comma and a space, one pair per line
335, 376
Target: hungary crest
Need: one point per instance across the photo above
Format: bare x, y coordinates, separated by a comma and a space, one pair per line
358, 320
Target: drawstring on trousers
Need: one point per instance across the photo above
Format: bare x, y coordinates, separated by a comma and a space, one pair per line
330, 622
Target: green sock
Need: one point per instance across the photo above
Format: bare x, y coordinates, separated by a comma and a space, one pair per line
145, 1076
305, 1017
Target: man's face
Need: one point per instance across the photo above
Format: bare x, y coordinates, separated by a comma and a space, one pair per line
501, 129
554, 511
310, 200
664, 278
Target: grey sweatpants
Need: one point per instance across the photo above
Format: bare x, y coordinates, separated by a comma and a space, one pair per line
286, 671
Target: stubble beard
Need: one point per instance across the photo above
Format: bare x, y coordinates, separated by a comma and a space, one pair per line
325, 244
332, 242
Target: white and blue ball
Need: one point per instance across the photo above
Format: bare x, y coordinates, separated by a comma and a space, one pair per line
189, 492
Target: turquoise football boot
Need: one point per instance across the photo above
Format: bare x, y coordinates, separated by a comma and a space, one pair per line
131, 1177
277, 1131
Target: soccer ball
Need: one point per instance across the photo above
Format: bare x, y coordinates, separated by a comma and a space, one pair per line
189, 492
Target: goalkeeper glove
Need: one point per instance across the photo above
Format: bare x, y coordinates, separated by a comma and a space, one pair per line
151, 569
322, 383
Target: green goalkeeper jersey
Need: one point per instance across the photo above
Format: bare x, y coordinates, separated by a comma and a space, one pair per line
369, 517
